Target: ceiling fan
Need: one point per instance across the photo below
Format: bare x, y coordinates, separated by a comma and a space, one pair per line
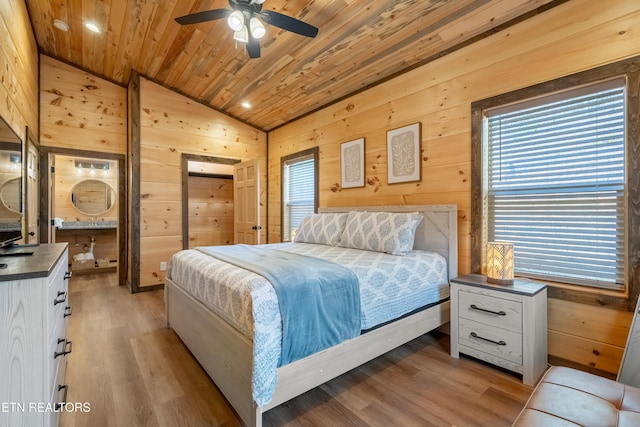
247, 28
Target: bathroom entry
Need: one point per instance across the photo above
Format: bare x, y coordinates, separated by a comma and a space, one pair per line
84, 208
210, 219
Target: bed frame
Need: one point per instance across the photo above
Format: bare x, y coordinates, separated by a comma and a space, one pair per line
226, 354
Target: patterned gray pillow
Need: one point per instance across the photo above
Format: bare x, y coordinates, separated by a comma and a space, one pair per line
393, 233
323, 229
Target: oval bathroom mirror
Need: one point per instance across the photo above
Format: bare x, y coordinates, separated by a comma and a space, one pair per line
10, 195
92, 197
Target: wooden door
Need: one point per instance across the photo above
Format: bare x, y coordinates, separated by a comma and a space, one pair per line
246, 205
33, 195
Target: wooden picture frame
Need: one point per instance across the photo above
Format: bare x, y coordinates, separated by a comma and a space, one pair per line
352, 163
403, 154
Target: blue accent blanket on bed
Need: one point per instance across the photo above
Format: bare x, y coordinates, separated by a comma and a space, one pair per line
319, 300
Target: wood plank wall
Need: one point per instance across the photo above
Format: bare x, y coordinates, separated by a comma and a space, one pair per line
81, 111
575, 36
171, 124
210, 211
18, 68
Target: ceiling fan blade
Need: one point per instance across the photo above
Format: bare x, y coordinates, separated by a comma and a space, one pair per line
288, 23
207, 15
253, 48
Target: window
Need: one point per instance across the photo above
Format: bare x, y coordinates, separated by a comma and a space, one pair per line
549, 175
299, 189
554, 184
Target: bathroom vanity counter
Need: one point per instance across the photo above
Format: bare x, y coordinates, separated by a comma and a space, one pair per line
87, 225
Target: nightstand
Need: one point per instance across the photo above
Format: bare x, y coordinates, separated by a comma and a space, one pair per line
505, 325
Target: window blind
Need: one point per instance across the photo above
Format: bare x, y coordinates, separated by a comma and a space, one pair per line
299, 197
556, 184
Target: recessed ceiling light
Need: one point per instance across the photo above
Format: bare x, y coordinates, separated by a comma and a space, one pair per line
92, 27
61, 25
246, 104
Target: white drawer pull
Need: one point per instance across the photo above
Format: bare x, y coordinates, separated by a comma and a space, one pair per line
473, 334
497, 313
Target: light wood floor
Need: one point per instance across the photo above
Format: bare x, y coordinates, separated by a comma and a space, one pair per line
135, 372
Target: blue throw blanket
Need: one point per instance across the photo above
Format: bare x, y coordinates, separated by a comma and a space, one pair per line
319, 300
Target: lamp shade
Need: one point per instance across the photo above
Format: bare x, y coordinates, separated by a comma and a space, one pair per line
257, 29
500, 263
235, 20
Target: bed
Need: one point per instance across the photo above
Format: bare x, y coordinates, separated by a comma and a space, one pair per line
227, 354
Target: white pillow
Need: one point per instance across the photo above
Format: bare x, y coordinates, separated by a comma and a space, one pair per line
323, 229
393, 233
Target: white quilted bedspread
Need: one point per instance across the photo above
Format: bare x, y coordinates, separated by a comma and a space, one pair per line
390, 286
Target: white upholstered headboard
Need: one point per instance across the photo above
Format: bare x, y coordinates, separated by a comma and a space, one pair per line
438, 231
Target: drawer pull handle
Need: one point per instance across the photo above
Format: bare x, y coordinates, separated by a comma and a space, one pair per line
67, 275
62, 297
67, 311
497, 313
59, 405
473, 334
64, 352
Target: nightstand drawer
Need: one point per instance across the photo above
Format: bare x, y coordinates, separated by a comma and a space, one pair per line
491, 310
491, 340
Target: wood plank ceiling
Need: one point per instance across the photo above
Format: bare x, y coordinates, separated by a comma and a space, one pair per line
360, 43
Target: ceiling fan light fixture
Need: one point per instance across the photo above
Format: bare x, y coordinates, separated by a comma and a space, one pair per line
242, 35
257, 28
236, 20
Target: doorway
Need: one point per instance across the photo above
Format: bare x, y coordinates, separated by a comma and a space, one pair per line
83, 203
85, 211
207, 201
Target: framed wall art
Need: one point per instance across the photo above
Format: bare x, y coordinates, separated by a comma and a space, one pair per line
352, 163
403, 154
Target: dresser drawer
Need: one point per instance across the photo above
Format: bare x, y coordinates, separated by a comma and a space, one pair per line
55, 346
57, 292
58, 392
491, 310
61, 347
492, 340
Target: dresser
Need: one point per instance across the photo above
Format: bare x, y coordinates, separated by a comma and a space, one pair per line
505, 325
33, 316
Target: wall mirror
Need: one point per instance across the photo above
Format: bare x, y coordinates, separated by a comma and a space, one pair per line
92, 197
10, 174
10, 185
10, 195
